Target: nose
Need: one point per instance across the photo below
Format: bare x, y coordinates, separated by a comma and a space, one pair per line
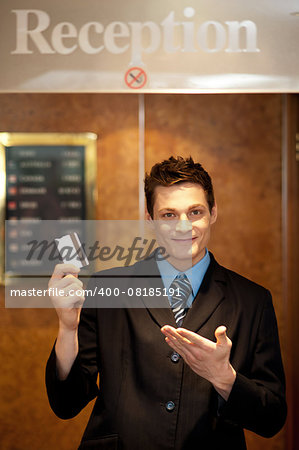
183, 224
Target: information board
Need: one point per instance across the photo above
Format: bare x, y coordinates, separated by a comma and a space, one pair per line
45, 182
46, 176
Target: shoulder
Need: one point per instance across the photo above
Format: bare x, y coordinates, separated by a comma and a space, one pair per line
116, 287
125, 277
146, 267
243, 282
238, 284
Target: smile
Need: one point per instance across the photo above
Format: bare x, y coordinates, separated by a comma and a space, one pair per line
184, 240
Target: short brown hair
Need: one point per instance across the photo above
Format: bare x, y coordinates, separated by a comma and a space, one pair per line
177, 170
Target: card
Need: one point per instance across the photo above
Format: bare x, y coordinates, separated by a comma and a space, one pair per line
71, 250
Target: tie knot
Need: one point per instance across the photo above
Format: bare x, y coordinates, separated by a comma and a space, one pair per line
181, 288
181, 276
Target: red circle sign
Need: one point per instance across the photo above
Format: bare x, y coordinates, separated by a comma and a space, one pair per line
135, 78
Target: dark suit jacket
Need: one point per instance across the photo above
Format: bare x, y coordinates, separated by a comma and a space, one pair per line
138, 376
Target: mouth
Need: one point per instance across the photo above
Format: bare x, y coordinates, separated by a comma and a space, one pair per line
186, 240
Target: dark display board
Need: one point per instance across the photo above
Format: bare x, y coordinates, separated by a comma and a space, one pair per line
44, 177
45, 182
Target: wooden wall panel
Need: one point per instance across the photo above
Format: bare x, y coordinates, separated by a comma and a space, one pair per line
290, 193
238, 140
113, 118
27, 336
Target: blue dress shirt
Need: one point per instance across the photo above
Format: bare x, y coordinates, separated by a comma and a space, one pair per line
195, 275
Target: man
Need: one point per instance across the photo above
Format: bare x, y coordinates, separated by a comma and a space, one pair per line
163, 386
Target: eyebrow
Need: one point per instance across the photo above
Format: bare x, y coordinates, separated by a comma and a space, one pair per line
166, 209
196, 205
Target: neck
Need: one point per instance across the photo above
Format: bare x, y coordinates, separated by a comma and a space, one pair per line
184, 264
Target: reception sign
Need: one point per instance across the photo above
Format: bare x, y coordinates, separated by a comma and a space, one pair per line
168, 46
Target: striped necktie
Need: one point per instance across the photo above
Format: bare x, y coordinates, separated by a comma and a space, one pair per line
181, 291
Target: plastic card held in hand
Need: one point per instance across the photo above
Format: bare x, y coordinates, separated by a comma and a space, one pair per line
71, 250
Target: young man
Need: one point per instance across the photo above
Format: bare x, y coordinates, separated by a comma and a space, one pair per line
163, 386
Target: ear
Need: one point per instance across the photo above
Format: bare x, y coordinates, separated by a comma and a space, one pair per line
149, 221
214, 213
148, 217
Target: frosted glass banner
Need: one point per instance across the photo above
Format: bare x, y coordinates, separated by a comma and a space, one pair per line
168, 46
118, 262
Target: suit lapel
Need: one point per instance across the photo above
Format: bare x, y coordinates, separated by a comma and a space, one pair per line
157, 306
209, 296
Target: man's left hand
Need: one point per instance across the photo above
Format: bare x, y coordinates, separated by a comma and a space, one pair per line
208, 359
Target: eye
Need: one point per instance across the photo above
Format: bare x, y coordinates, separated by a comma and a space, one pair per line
168, 215
196, 212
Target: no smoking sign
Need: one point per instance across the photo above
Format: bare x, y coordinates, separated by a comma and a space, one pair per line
135, 78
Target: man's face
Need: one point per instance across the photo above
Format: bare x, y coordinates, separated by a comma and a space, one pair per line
182, 222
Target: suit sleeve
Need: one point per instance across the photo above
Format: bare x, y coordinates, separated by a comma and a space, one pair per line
257, 400
69, 396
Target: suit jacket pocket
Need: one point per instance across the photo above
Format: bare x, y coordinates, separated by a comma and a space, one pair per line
103, 443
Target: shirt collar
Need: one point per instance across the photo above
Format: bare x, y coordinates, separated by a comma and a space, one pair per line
195, 274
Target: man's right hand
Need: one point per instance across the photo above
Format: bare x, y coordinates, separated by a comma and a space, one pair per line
68, 303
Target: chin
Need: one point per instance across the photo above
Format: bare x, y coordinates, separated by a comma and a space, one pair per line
196, 256
183, 254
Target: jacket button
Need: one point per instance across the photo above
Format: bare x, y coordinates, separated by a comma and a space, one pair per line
170, 406
175, 357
